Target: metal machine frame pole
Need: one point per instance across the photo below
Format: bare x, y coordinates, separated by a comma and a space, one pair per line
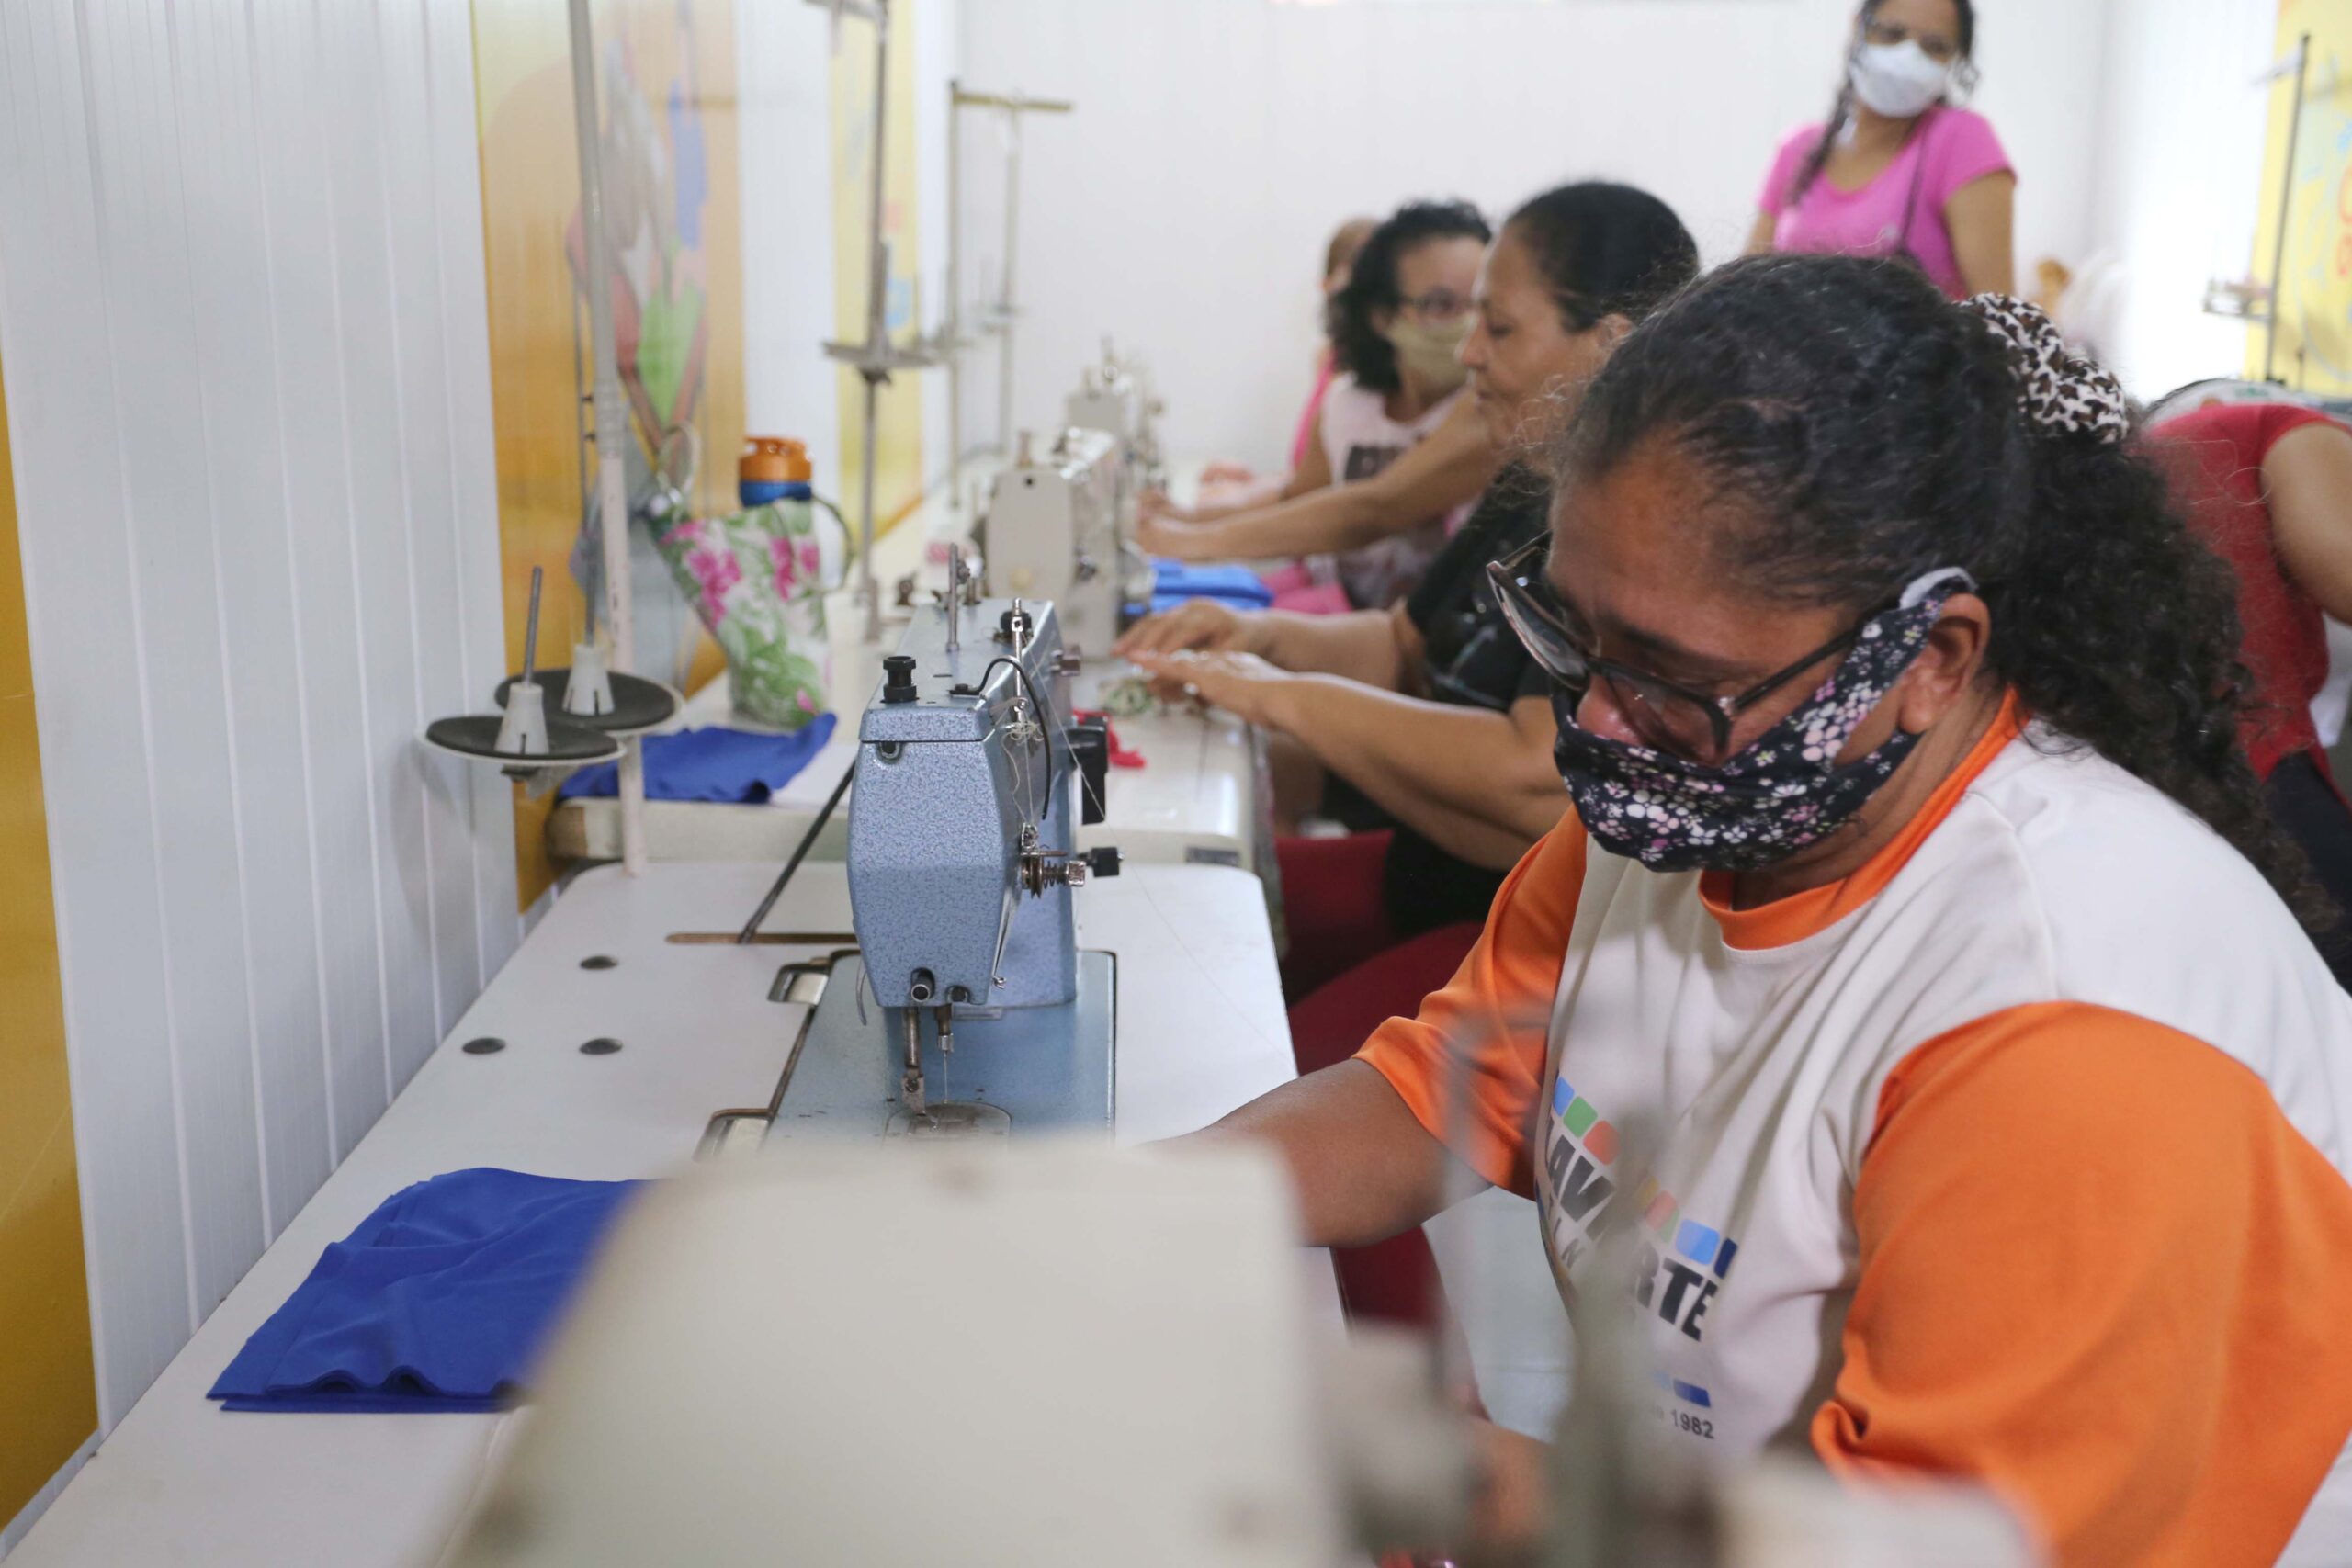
612, 419
877, 316
952, 329
2286, 210
1008, 310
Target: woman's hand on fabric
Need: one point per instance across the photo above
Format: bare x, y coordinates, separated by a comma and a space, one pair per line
1241, 684
1225, 471
1173, 538
1197, 624
1158, 503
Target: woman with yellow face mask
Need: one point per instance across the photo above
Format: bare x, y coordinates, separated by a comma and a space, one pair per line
1396, 328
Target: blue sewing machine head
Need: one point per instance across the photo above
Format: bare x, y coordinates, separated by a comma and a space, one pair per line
971, 783
963, 818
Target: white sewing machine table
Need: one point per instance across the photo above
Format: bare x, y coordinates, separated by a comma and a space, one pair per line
1201, 1029
1193, 802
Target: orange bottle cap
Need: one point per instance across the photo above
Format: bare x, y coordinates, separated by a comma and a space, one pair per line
774, 459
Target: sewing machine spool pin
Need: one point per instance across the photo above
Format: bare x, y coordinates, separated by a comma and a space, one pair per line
522, 727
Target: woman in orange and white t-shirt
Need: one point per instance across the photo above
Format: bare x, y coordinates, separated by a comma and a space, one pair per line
1918, 891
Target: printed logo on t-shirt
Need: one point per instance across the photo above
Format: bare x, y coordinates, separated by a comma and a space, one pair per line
1366, 459
1681, 1262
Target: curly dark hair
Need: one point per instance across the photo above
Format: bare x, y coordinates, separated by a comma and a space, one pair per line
1371, 287
1841, 109
1862, 430
1604, 250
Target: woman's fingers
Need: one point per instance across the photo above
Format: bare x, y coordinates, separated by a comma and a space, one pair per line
1196, 624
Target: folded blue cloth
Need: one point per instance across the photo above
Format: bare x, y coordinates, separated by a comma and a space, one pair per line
438, 1302
733, 766
1173, 581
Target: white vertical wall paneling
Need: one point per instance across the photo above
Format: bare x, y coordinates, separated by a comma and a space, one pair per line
243, 471
102, 837
418, 320
241, 299
306, 332
375, 432
162, 444
1183, 209
473, 517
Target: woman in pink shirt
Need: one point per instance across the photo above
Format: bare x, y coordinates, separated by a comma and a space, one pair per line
1899, 169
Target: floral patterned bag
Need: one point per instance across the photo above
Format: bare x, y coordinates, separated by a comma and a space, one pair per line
757, 580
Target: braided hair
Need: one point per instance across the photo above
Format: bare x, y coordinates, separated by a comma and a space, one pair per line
1864, 431
1841, 109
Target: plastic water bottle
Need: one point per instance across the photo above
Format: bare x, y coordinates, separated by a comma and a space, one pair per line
758, 580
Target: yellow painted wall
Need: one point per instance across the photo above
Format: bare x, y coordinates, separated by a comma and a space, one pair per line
2314, 307
898, 478
686, 289
48, 1387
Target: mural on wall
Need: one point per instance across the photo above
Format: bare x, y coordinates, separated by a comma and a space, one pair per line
898, 476
48, 1378
666, 83
2315, 308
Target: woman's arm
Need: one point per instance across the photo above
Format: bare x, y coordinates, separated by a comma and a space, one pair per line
1480, 785
1363, 1165
1450, 467
2307, 477
1761, 233
1361, 645
1313, 474
1979, 217
1365, 1139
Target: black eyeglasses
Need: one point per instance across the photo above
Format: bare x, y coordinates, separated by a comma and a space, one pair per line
1691, 725
1437, 305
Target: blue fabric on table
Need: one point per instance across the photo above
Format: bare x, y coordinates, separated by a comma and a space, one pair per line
438, 1302
732, 766
1173, 581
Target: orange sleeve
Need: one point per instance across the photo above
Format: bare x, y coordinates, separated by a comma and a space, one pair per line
2102, 1273
1497, 1008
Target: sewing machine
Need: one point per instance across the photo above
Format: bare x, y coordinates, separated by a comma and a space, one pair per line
1062, 528
1058, 528
1114, 398
970, 787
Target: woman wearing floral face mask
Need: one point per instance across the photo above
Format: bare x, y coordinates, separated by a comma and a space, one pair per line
1898, 169
1920, 902
1396, 328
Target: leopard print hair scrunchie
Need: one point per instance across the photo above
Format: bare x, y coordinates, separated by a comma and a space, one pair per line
2060, 390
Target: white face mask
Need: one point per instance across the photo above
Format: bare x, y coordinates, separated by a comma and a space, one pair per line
1897, 80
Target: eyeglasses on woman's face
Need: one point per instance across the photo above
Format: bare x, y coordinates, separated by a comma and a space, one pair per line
1695, 725
1439, 305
